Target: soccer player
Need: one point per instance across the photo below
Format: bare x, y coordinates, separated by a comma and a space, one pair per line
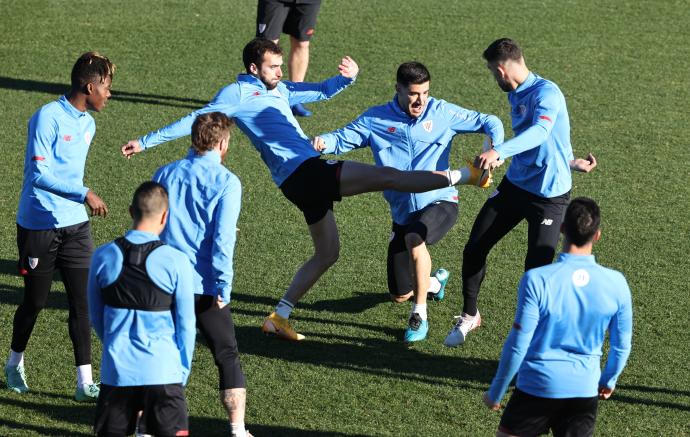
537, 184
413, 131
563, 313
53, 229
296, 18
204, 207
141, 306
260, 103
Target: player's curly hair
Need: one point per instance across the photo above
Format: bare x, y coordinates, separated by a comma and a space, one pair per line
582, 219
208, 130
502, 50
91, 67
253, 52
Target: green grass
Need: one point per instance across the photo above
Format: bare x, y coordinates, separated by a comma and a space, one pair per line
623, 68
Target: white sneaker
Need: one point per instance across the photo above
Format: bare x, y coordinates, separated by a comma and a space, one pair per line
464, 324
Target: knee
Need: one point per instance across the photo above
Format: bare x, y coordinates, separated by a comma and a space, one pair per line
413, 240
400, 298
328, 256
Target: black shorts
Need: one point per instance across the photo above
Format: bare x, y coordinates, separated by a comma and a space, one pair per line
527, 415
164, 410
313, 187
296, 18
40, 252
431, 223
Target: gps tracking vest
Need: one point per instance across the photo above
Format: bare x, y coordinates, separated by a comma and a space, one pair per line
134, 289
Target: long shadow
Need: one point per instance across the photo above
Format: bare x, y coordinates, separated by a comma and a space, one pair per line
13, 296
391, 332
75, 413
370, 356
125, 96
647, 389
40, 430
207, 426
358, 303
650, 402
9, 266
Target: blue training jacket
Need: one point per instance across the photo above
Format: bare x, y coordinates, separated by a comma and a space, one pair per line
563, 313
204, 200
408, 143
541, 148
264, 116
144, 347
53, 191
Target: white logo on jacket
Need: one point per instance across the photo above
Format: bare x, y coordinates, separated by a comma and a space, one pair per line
33, 262
428, 125
580, 277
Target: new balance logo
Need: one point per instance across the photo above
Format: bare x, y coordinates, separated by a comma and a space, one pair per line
547, 222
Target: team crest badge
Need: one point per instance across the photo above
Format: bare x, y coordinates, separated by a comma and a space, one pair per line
428, 125
87, 137
522, 109
262, 27
33, 262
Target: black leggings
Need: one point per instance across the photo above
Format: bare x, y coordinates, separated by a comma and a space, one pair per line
36, 289
499, 215
219, 331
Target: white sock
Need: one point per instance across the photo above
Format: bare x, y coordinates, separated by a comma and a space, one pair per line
419, 308
284, 308
238, 429
434, 285
15, 359
456, 176
84, 375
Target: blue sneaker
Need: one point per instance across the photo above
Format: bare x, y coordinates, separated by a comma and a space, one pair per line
442, 275
299, 110
417, 329
87, 393
16, 379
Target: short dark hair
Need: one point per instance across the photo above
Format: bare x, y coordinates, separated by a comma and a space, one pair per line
582, 219
502, 50
253, 52
412, 72
150, 199
208, 129
91, 67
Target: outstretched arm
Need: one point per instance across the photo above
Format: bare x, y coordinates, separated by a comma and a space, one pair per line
354, 135
305, 92
226, 101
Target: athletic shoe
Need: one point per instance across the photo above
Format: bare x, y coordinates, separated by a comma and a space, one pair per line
16, 378
417, 329
87, 393
274, 324
442, 275
299, 110
464, 324
480, 178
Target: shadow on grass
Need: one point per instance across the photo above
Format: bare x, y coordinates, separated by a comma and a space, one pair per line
9, 267
70, 413
620, 395
375, 357
61, 88
13, 296
207, 426
358, 303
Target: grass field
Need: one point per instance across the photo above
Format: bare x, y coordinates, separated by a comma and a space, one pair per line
623, 67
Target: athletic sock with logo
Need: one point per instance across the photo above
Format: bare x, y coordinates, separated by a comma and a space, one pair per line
284, 308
